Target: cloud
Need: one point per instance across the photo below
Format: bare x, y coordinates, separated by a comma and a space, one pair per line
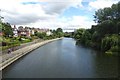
44, 13
57, 7
81, 21
74, 22
18, 13
102, 3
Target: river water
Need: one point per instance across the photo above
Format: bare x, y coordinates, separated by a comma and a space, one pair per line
63, 59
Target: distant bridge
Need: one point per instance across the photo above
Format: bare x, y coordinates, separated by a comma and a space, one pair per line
69, 29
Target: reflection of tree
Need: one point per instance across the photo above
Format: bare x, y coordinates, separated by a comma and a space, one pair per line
106, 66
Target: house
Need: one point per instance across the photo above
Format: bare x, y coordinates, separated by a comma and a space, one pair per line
48, 32
27, 31
15, 31
32, 31
24, 31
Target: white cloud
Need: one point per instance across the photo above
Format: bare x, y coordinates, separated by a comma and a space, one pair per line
43, 15
58, 6
17, 13
74, 22
102, 3
82, 21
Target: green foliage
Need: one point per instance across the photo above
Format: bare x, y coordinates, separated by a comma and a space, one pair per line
106, 27
110, 42
68, 34
78, 34
8, 42
7, 47
55, 34
7, 29
109, 13
105, 36
86, 37
118, 28
59, 30
41, 35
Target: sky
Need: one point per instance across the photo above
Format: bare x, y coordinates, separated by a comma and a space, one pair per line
66, 14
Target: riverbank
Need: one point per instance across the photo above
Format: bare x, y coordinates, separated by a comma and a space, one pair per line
21, 52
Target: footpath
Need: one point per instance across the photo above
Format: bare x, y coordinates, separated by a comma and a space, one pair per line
8, 59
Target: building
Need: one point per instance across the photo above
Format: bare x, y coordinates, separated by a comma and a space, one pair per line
15, 31
27, 31
49, 32
24, 31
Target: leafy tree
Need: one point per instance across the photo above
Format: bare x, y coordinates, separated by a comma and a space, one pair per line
41, 35
86, 38
78, 33
7, 29
68, 34
109, 13
104, 36
118, 28
109, 42
106, 27
59, 30
0, 26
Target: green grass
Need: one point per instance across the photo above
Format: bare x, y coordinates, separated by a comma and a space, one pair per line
12, 42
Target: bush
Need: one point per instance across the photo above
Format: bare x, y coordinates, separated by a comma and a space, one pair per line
110, 42
26, 40
4, 44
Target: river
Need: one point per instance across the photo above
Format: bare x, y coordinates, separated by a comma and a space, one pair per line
63, 59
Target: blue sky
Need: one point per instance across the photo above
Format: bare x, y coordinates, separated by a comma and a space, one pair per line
52, 13
73, 11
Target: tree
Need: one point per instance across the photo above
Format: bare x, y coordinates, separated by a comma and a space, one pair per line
86, 38
7, 29
78, 33
106, 27
109, 42
59, 30
109, 13
118, 28
0, 26
41, 35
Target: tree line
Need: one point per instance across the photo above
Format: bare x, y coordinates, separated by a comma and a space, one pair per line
105, 36
7, 40
54, 34
6, 29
